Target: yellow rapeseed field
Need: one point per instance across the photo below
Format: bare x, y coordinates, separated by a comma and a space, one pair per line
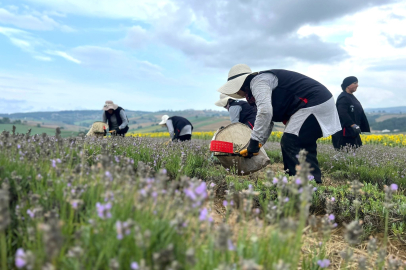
387, 139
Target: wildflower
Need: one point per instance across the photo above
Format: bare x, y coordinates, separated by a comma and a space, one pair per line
103, 210
134, 266
331, 217
394, 187
230, 245
225, 203
20, 259
275, 180
204, 215
323, 263
298, 181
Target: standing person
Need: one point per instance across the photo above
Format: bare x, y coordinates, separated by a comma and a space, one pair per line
240, 111
303, 104
179, 128
352, 116
116, 117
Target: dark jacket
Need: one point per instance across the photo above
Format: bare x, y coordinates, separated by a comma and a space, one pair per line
351, 112
118, 117
248, 113
178, 124
294, 92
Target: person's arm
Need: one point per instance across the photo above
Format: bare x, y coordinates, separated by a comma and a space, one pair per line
104, 117
234, 112
124, 119
171, 129
262, 86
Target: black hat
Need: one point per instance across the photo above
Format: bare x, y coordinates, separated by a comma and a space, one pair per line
347, 81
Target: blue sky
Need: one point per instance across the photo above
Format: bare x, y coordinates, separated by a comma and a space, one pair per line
173, 54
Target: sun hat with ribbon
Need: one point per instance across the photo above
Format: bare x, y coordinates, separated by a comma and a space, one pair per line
235, 80
164, 119
222, 102
109, 105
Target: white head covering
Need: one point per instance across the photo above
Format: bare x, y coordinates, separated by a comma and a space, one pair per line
109, 105
235, 80
164, 119
223, 101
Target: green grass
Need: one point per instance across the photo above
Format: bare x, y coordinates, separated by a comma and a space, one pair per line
22, 129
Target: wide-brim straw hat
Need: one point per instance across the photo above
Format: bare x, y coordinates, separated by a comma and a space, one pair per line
235, 80
110, 105
223, 101
164, 119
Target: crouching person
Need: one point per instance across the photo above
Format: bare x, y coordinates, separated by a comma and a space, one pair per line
179, 128
239, 110
116, 117
303, 104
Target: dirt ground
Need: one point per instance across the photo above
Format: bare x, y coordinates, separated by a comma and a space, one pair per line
311, 239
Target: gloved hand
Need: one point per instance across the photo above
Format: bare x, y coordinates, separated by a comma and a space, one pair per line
113, 132
252, 150
356, 129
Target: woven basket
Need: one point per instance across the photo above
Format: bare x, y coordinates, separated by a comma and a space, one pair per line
97, 129
240, 135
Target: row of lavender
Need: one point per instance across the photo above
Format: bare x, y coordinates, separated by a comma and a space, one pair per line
123, 203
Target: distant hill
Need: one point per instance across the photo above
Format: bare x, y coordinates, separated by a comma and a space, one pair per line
401, 109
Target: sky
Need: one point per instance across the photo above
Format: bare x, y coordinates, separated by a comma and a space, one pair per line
155, 55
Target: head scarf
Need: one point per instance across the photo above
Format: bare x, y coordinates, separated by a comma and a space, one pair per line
348, 81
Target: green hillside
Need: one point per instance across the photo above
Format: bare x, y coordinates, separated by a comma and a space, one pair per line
22, 129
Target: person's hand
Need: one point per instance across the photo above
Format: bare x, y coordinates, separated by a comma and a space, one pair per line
356, 128
252, 150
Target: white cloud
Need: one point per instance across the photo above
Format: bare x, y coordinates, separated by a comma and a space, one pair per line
30, 21
138, 9
64, 55
26, 41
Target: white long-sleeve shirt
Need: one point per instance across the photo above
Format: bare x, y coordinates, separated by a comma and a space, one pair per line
234, 112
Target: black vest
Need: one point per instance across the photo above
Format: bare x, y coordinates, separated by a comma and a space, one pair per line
178, 124
294, 92
247, 114
118, 117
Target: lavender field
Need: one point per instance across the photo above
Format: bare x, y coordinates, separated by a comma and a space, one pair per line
135, 203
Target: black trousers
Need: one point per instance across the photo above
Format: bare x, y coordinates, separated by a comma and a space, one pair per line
292, 144
339, 141
186, 137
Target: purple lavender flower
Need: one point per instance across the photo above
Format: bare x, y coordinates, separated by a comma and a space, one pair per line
108, 175
275, 180
225, 203
53, 161
20, 258
286, 199
331, 217
103, 210
230, 245
298, 181
203, 214
201, 188
119, 229
18, 146
394, 187
310, 177
31, 213
333, 199
134, 266
285, 180
323, 263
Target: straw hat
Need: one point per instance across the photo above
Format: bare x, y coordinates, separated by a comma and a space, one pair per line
236, 78
109, 105
223, 101
164, 119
